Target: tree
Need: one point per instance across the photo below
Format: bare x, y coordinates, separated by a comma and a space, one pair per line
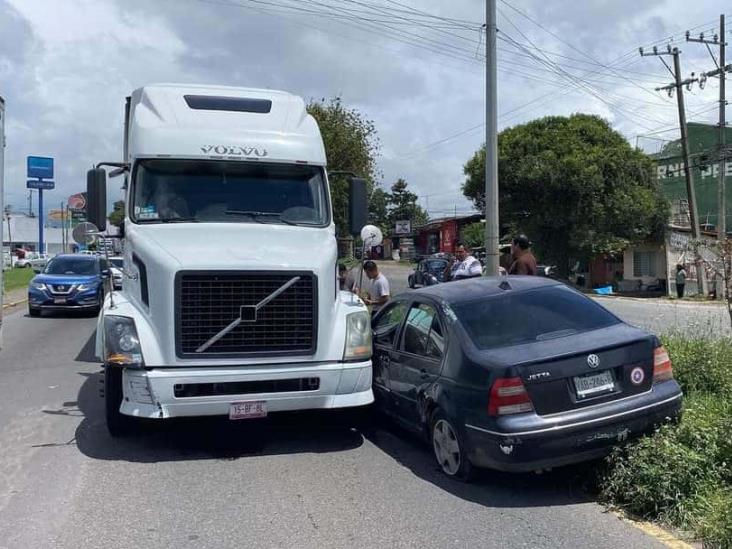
351, 144
474, 235
403, 205
379, 209
574, 185
117, 217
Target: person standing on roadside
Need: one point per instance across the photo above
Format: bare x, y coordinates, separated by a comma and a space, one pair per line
465, 266
524, 262
377, 287
680, 280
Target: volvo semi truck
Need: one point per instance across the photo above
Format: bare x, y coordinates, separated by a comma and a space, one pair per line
230, 303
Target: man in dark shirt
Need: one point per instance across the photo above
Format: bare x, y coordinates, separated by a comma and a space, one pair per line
524, 262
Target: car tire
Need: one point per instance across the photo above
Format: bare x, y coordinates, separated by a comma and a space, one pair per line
449, 448
118, 424
410, 282
35, 312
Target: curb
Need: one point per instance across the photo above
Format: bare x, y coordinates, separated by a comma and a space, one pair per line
14, 303
655, 531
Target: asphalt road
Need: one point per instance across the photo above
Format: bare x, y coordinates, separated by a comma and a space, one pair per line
305, 480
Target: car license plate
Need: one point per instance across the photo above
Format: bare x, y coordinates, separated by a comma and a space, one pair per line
248, 410
594, 384
59, 300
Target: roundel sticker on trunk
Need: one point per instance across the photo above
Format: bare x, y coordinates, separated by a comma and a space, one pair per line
637, 375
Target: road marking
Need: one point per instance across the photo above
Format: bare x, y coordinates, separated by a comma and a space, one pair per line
655, 531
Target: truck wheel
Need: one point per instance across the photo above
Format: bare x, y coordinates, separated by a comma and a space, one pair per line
118, 424
34, 312
448, 447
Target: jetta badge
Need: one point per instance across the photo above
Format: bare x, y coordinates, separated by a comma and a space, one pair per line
593, 361
247, 313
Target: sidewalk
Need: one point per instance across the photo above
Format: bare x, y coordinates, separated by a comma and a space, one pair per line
659, 300
15, 297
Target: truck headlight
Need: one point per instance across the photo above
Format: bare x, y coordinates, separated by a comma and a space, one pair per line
121, 344
358, 336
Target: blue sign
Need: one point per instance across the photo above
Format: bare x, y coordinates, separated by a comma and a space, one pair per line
40, 167
40, 184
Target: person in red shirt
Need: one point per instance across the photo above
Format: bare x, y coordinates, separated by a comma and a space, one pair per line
524, 262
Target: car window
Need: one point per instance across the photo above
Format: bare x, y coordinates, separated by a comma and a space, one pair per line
422, 333
536, 315
387, 325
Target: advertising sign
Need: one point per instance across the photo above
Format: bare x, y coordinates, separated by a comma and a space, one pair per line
40, 184
403, 227
40, 167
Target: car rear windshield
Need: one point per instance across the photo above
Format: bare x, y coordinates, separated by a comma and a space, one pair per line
72, 266
535, 315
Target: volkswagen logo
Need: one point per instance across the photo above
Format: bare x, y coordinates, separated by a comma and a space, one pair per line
593, 361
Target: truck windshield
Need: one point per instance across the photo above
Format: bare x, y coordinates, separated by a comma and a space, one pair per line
180, 191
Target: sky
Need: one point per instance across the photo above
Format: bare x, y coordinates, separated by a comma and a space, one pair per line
414, 67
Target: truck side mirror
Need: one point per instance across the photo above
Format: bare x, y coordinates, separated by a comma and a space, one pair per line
96, 198
358, 205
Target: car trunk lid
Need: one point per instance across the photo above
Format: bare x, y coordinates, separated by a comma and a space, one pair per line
579, 370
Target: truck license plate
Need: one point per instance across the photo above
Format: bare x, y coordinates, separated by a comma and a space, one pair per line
248, 410
601, 382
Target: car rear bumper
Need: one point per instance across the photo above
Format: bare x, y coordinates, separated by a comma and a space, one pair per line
152, 393
584, 438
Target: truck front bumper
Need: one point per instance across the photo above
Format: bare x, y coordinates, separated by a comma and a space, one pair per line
163, 392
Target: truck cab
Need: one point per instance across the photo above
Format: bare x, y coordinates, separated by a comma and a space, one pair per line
230, 302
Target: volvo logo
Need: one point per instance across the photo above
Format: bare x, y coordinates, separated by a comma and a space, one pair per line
234, 150
593, 361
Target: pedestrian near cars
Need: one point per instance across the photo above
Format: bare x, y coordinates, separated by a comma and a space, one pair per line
680, 280
465, 265
377, 287
524, 262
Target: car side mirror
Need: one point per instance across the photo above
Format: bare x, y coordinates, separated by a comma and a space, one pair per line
358, 205
96, 198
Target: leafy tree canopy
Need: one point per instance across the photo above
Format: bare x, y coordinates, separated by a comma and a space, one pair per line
574, 185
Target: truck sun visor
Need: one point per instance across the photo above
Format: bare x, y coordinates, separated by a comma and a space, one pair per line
233, 104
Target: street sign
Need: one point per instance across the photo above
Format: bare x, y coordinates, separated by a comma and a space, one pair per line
40, 184
403, 227
40, 167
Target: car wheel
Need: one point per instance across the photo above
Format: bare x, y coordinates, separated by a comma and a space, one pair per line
118, 424
448, 448
34, 312
410, 281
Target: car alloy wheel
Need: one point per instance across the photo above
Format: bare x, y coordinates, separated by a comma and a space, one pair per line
447, 447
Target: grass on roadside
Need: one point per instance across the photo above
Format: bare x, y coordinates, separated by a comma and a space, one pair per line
17, 278
682, 475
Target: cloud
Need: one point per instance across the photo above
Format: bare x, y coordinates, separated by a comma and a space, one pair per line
69, 65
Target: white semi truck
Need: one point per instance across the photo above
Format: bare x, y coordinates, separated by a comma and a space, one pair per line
230, 303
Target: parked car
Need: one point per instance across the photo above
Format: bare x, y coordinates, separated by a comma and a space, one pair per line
30, 259
519, 374
116, 267
69, 281
39, 261
429, 271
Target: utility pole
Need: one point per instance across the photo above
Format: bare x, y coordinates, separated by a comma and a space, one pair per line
491, 142
721, 71
678, 86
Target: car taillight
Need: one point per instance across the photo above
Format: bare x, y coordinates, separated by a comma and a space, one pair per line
508, 396
662, 370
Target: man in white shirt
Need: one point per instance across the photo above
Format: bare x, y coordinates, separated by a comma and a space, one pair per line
466, 265
377, 287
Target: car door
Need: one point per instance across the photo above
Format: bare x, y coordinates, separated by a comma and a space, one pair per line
386, 328
417, 363
418, 274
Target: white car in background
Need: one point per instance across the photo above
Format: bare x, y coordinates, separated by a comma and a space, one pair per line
33, 260
116, 266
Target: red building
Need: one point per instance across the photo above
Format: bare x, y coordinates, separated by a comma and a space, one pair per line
441, 235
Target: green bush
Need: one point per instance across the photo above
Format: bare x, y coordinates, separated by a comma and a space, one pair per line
682, 474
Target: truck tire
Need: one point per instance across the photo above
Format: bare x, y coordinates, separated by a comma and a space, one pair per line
118, 424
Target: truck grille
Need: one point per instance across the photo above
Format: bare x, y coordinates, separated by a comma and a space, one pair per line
209, 302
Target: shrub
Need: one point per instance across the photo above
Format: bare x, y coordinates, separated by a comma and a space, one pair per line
701, 365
